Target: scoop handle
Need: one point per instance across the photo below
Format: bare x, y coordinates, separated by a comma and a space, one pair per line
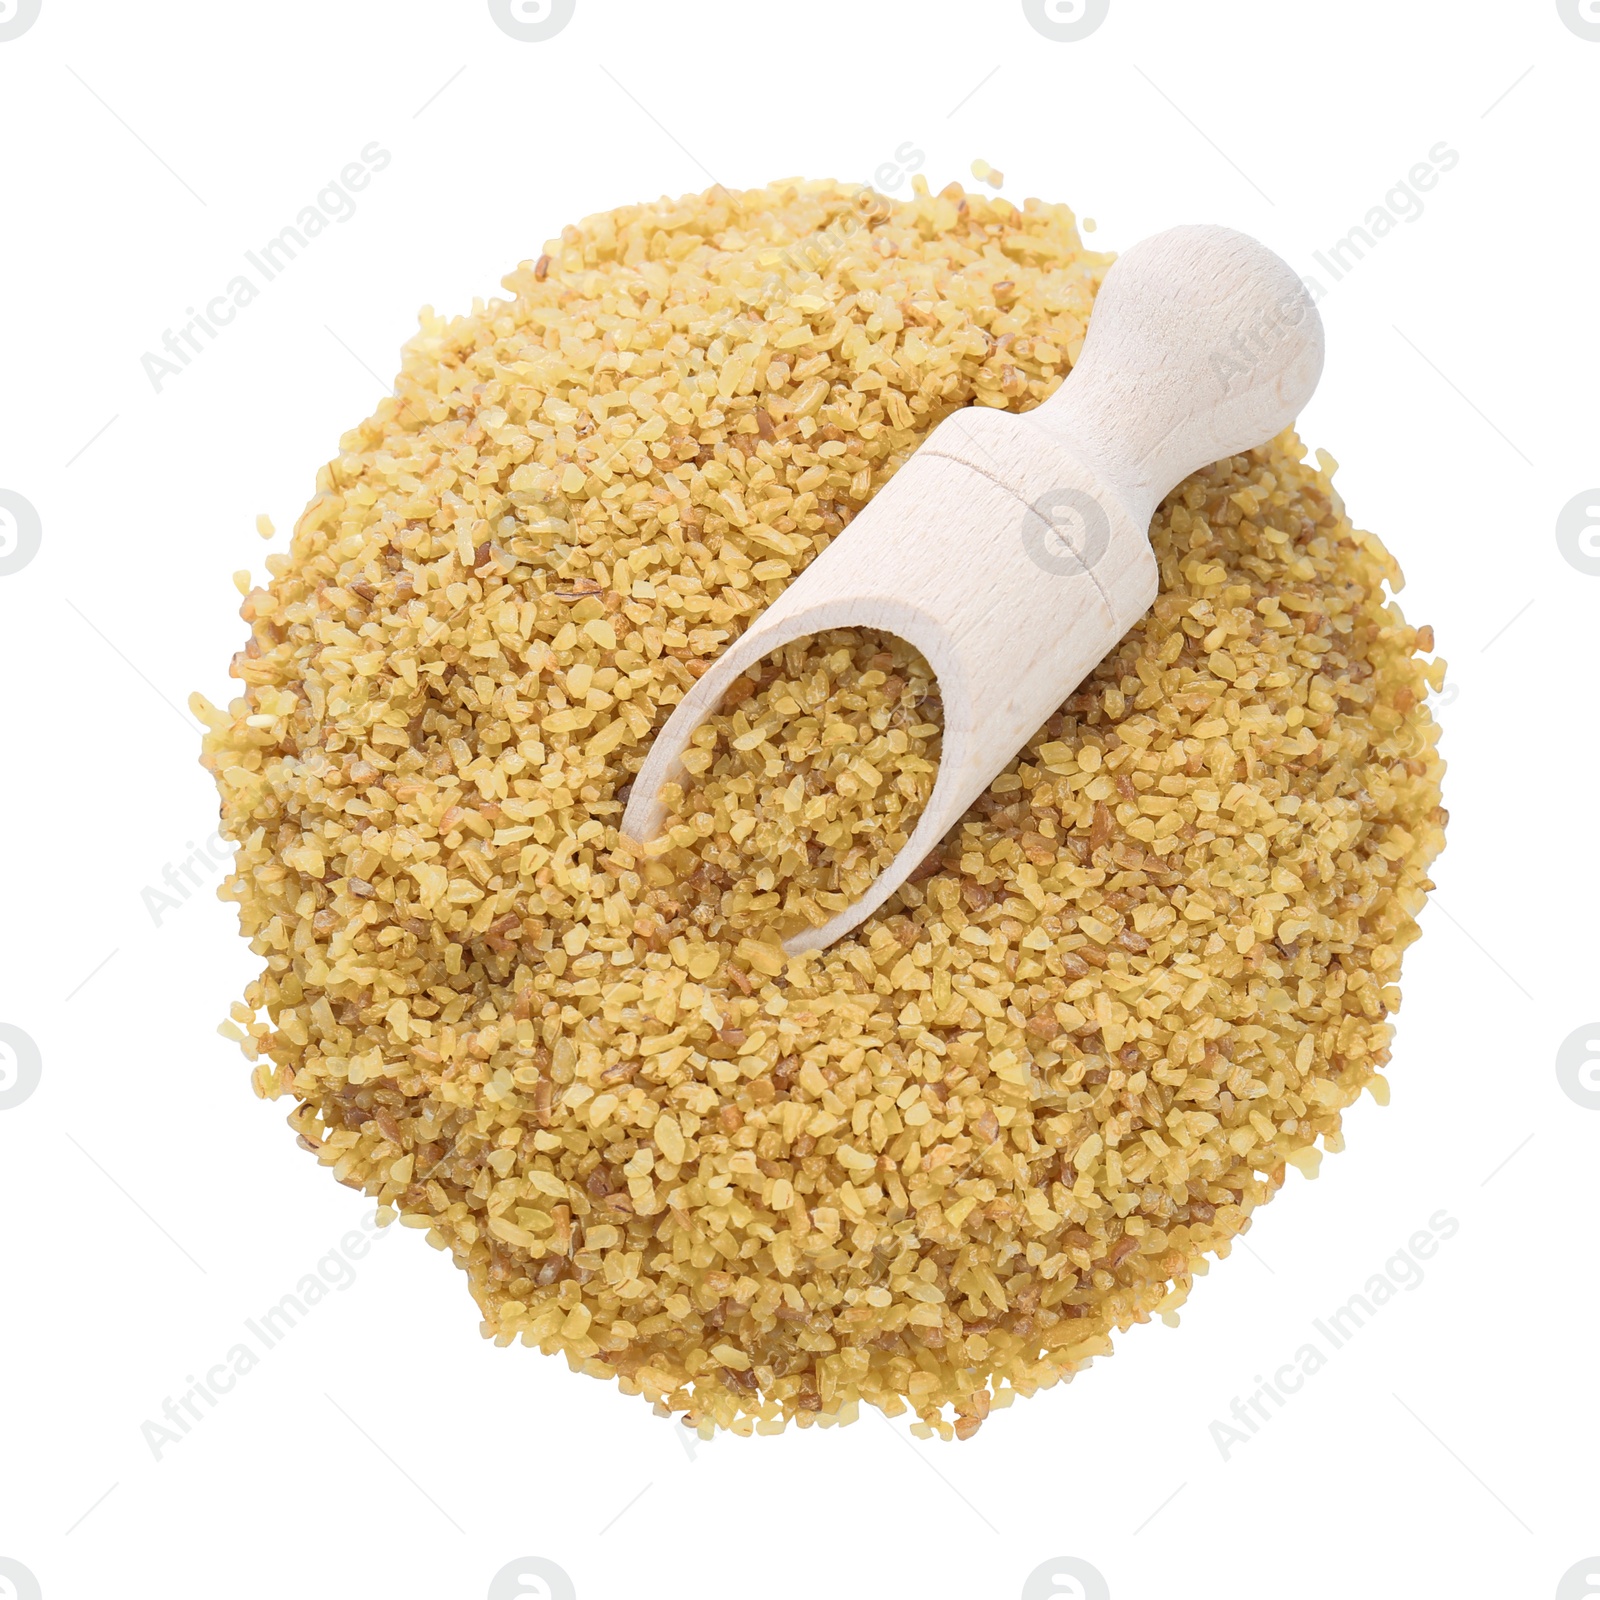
1203, 344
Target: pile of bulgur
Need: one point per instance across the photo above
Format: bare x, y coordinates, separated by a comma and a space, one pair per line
942, 1161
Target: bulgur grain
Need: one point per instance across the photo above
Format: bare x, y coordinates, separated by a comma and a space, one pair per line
945, 1160
805, 784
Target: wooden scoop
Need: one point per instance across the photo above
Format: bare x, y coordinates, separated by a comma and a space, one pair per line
1012, 549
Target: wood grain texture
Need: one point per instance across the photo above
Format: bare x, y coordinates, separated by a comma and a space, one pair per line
1013, 550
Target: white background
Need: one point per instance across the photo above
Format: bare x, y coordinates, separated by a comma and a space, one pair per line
151, 1204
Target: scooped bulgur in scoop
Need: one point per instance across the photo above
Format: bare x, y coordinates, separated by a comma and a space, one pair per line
945, 1160
808, 784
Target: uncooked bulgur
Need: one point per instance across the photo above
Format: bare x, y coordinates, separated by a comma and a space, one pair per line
944, 1160
804, 784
